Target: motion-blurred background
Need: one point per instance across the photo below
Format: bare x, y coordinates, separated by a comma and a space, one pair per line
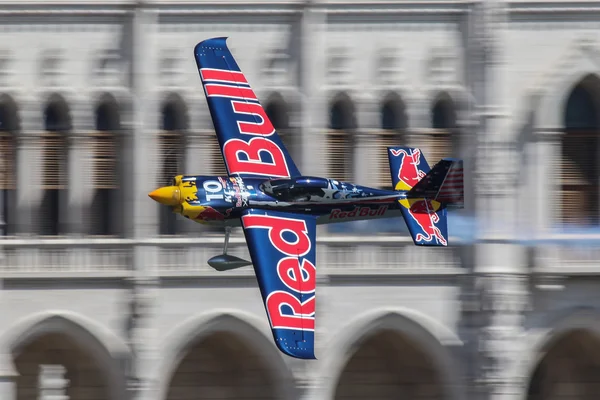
106, 295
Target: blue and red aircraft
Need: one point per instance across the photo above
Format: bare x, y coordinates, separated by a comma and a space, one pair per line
278, 208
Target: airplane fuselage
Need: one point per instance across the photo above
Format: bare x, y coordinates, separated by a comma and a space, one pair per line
220, 200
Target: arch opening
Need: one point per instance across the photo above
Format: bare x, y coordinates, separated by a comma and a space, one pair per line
444, 141
570, 368
57, 123
579, 197
278, 112
222, 366
172, 149
9, 127
106, 150
393, 121
389, 365
340, 141
48, 359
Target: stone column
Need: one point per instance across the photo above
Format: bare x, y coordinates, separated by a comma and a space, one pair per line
80, 173
145, 212
8, 376
145, 117
29, 168
500, 264
314, 106
504, 299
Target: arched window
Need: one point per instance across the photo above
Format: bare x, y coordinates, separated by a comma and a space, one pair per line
579, 172
277, 110
442, 139
103, 218
393, 124
340, 143
55, 147
172, 150
9, 126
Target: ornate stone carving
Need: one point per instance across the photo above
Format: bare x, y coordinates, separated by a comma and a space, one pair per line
504, 298
490, 17
139, 303
497, 168
388, 68
504, 293
338, 69
442, 67
52, 382
51, 71
5, 64
171, 70
276, 68
109, 69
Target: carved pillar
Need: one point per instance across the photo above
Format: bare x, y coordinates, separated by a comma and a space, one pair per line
52, 383
8, 376
140, 334
145, 117
504, 299
80, 172
500, 263
314, 108
145, 167
29, 168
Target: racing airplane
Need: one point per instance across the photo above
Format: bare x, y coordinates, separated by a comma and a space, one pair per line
278, 208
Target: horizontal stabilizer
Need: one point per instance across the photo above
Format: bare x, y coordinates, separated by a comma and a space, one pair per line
427, 221
443, 184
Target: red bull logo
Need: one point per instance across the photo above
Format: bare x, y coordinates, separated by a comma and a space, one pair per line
409, 173
424, 213
210, 214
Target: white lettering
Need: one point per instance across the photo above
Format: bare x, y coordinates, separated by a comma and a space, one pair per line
212, 189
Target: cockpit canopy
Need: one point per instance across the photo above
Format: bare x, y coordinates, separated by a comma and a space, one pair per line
295, 189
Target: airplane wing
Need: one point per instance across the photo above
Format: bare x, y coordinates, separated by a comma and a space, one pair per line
249, 143
282, 248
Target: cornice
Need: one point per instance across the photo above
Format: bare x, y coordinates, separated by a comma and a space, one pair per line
229, 7
347, 7
553, 7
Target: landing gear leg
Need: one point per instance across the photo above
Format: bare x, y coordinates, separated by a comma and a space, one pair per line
225, 262
227, 233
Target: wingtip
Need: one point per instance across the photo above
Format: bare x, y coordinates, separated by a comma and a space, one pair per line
218, 42
302, 353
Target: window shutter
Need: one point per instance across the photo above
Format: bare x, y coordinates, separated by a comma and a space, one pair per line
578, 178
217, 164
438, 145
384, 140
55, 153
105, 160
339, 155
172, 151
7, 161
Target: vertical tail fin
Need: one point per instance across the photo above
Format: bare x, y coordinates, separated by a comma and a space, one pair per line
444, 184
407, 166
429, 192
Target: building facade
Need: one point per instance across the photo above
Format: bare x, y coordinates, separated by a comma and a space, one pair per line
103, 295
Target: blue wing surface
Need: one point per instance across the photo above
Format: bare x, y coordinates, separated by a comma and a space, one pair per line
249, 143
283, 250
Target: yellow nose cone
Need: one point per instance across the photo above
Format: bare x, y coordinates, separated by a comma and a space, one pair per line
167, 195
